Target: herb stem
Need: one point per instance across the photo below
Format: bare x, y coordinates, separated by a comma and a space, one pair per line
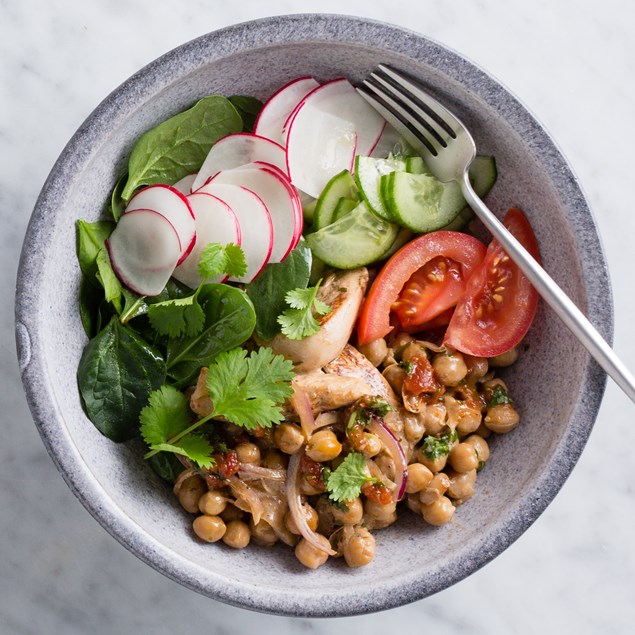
177, 437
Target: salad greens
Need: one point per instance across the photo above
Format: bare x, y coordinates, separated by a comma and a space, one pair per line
178, 146
346, 481
298, 321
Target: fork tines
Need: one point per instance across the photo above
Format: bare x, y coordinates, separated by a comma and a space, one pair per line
405, 105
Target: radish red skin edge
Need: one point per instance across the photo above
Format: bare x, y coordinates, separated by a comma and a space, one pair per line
499, 303
374, 319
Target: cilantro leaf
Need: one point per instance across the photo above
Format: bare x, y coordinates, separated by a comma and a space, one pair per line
173, 318
346, 481
298, 321
436, 447
166, 415
165, 419
217, 259
248, 390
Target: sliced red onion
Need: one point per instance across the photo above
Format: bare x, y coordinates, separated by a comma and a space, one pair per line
294, 500
249, 497
181, 478
393, 446
325, 419
301, 404
248, 471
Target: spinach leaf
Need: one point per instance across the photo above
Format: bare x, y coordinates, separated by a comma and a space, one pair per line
91, 239
117, 204
248, 108
89, 300
117, 372
178, 146
269, 289
229, 321
108, 279
166, 465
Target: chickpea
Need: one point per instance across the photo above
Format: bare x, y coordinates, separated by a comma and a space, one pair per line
504, 359
288, 437
401, 339
309, 556
323, 446
209, 528
358, 548
437, 487
481, 447
411, 350
491, 384
237, 534
191, 491
275, 460
212, 503
461, 484
262, 533
450, 368
352, 515
413, 503
483, 431
463, 457
387, 465
395, 375
477, 367
434, 465
248, 453
231, 512
367, 443
311, 518
438, 513
435, 417
501, 418
378, 516
419, 477
468, 419
375, 351
413, 426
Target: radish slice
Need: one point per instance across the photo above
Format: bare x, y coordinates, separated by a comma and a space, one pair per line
339, 98
239, 149
318, 147
144, 248
185, 184
395, 450
280, 105
279, 197
169, 202
255, 224
215, 223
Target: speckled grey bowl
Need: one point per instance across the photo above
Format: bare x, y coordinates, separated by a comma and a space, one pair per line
559, 401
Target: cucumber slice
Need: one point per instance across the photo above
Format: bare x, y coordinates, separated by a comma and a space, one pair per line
309, 211
460, 220
422, 203
416, 165
404, 236
341, 185
357, 239
344, 206
368, 172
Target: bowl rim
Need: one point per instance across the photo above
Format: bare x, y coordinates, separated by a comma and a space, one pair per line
301, 28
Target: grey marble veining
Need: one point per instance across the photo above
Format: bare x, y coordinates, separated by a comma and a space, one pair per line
572, 571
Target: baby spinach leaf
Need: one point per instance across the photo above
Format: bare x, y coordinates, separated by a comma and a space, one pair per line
248, 108
108, 279
166, 465
178, 146
117, 204
91, 239
117, 372
89, 300
229, 321
268, 291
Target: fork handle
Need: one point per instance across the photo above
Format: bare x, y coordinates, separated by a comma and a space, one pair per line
553, 295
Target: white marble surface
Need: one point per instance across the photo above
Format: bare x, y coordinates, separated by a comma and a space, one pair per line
573, 65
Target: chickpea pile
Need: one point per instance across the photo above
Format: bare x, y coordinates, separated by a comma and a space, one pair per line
449, 404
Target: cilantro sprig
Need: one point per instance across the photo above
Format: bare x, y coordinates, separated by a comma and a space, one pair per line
298, 321
346, 481
246, 389
185, 316
436, 447
364, 410
499, 396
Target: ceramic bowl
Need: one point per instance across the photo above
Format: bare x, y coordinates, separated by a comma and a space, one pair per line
557, 388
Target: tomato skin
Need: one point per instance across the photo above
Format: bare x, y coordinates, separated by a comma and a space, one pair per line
499, 302
374, 319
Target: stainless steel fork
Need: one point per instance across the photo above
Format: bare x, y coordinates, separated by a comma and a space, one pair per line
448, 149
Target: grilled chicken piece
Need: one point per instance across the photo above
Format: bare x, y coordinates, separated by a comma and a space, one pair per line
343, 291
200, 401
351, 363
330, 392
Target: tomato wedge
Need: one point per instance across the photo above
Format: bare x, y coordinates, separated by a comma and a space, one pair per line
465, 252
499, 302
